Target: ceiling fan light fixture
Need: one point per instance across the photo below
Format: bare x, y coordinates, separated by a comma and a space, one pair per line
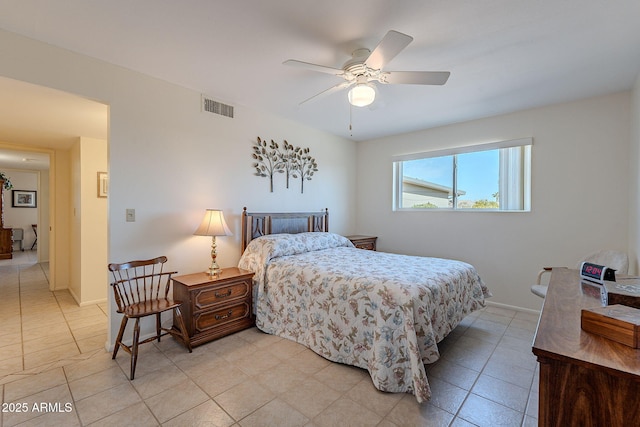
361, 95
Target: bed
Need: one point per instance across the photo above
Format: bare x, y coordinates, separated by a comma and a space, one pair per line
378, 311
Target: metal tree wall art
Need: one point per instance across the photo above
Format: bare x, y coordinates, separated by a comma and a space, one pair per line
288, 156
292, 161
268, 160
305, 166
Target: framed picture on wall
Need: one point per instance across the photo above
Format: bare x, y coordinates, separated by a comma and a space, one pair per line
23, 199
103, 184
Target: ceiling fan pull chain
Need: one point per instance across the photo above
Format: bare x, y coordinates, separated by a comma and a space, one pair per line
350, 120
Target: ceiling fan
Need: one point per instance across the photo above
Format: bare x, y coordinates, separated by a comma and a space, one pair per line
365, 68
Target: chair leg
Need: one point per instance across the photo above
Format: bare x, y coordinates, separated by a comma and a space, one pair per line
123, 325
158, 326
183, 329
134, 348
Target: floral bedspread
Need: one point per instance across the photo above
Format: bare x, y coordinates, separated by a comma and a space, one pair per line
379, 311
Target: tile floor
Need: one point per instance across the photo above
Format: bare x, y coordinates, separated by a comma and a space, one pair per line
53, 363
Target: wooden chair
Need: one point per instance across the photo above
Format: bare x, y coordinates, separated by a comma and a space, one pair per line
141, 289
619, 261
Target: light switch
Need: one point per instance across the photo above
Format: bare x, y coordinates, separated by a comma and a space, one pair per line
131, 215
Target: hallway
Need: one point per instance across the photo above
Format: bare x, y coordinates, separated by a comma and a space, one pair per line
42, 329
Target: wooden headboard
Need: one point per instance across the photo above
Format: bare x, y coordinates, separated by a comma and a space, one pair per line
263, 223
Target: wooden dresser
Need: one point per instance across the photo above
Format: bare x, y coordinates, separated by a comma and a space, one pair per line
215, 306
585, 379
363, 242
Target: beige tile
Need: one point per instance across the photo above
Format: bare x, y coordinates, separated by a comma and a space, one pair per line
158, 381
311, 398
446, 396
48, 419
257, 363
258, 338
367, 395
205, 414
452, 373
33, 384
408, 412
183, 397
483, 412
149, 359
59, 395
99, 321
216, 378
137, 414
281, 378
244, 398
346, 409
285, 349
97, 383
308, 362
48, 341
92, 343
106, 403
99, 362
89, 331
341, 377
49, 355
275, 413
45, 331
232, 348
10, 351
10, 366
76, 312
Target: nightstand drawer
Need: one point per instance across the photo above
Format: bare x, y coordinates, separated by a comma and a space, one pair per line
208, 320
207, 298
364, 242
215, 306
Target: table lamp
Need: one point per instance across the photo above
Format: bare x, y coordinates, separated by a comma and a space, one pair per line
213, 225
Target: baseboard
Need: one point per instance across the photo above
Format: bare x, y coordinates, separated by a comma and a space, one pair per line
513, 307
97, 301
73, 294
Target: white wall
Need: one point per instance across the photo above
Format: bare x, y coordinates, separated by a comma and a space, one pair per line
580, 195
634, 180
22, 217
170, 162
88, 250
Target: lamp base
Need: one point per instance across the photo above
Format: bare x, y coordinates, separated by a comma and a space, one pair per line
214, 270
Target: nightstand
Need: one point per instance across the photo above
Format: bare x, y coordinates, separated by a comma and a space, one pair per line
215, 306
363, 242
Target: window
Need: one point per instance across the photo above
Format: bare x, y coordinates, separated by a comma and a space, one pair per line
493, 177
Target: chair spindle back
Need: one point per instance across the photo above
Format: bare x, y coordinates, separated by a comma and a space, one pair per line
140, 281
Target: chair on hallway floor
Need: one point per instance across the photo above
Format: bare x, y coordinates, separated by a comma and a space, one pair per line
619, 261
35, 231
141, 288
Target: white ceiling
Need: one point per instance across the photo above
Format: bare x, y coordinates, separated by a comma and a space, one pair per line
503, 55
34, 117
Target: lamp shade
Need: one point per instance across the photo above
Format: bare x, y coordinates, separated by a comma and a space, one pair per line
361, 95
213, 224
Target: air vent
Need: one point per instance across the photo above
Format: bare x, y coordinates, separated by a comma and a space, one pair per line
216, 107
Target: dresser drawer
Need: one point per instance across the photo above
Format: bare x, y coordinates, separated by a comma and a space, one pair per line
213, 319
207, 298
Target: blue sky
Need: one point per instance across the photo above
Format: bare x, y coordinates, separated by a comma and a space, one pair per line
478, 173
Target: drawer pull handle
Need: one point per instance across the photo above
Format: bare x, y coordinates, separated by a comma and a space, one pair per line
220, 295
224, 316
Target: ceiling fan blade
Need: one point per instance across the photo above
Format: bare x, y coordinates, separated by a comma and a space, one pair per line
391, 45
313, 67
415, 77
327, 92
